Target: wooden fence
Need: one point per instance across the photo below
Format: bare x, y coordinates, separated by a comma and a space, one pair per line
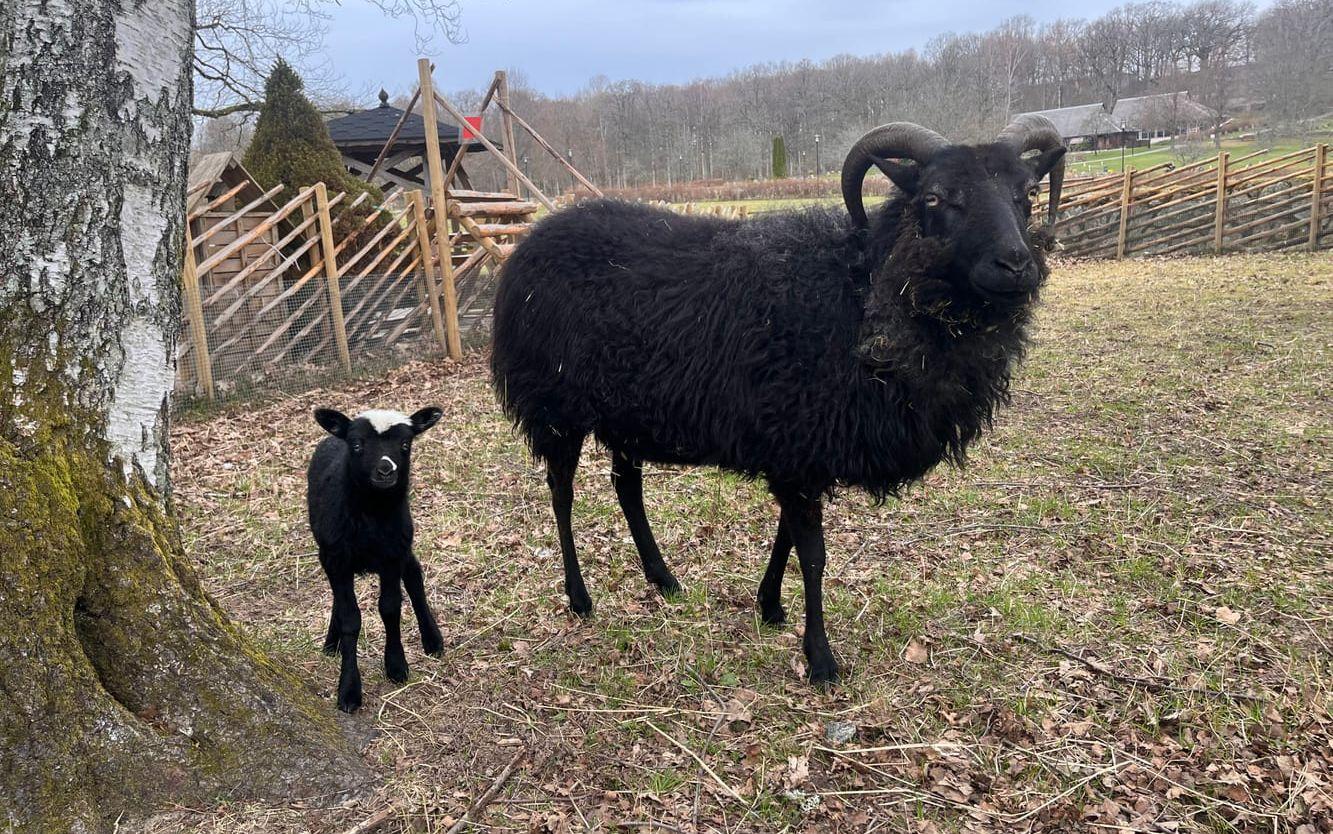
337, 286
1212, 206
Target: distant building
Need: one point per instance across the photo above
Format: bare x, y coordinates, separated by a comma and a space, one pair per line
1133, 121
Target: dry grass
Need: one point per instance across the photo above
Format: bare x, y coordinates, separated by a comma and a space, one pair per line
1155, 503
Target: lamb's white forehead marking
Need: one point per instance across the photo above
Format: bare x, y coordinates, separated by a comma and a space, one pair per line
381, 420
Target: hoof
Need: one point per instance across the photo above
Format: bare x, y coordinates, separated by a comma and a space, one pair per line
349, 699
667, 586
396, 670
433, 644
330, 649
824, 674
773, 615
581, 606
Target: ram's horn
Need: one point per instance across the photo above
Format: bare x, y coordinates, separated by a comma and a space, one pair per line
898, 140
1032, 132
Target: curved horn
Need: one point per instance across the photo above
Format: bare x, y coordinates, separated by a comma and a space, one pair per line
898, 140
1032, 132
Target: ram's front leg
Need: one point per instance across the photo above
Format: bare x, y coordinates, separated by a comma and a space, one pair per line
391, 611
348, 615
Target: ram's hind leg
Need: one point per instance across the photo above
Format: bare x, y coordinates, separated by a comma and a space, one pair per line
562, 460
803, 516
770, 587
627, 478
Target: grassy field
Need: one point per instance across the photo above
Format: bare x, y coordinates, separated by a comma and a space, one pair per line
1095, 162
1119, 618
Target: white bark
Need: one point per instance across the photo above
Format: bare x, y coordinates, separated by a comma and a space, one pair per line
94, 157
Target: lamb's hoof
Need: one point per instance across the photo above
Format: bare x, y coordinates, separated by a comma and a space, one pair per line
773, 615
433, 644
395, 669
330, 649
349, 698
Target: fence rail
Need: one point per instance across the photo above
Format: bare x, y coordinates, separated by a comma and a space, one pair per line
327, 284
1212, 206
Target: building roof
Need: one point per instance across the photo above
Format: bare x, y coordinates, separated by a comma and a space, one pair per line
373, 126
213, 174
1129, 115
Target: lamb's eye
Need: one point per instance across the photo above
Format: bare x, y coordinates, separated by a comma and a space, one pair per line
406, 445
356, 445
931, 200
1033, 192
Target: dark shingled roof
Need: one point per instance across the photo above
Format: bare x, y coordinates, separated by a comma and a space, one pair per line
373, 126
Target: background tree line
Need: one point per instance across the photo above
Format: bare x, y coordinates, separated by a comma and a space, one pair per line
1276, 64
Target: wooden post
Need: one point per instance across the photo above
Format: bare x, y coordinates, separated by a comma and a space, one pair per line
1126, 195
1220, 216
439, 197
194, 314
502, 83
328, 254
428, 270
1317, 197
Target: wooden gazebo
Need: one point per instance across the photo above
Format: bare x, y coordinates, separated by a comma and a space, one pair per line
368, 136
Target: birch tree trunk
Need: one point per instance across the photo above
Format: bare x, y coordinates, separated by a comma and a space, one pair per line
122, 684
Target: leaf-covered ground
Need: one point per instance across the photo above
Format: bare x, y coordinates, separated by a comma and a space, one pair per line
1118, 618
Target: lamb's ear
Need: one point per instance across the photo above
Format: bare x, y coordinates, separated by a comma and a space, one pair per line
333, 422
425, 418
1043, 163
904, 175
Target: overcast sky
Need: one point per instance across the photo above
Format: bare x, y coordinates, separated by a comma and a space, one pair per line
560, 44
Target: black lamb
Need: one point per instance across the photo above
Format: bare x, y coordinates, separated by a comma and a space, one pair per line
357, 490
814, 349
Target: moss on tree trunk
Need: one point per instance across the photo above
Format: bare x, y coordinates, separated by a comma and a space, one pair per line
123, 686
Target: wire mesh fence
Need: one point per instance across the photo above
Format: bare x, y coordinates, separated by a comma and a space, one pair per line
280, 298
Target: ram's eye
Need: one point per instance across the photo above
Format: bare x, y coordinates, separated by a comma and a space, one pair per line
1034, 192
931, 200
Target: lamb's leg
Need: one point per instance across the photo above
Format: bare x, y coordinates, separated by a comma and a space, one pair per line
431, 640
804, 519
349, 630
391, 612
561, 463
627, 478
331, 638
770, 587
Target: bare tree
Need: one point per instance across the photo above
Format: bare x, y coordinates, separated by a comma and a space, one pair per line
1216, 33
1293, 52
237, 42
1104, 50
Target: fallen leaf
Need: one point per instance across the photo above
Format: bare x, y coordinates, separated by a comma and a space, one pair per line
916, 652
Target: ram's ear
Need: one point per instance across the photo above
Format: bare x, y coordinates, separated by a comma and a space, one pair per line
425, 418
906, 176
1042, 164
334, 422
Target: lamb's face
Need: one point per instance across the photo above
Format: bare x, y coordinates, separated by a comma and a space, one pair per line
379, 443
978, 200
